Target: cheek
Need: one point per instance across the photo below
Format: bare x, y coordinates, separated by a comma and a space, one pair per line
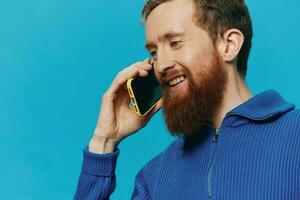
195, 54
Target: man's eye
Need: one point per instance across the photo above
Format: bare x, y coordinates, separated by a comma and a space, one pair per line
174, 43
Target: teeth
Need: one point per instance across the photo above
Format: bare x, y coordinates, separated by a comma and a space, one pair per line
176, 80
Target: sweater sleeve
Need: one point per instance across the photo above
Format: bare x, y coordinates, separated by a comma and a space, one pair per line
146, 179
97, 178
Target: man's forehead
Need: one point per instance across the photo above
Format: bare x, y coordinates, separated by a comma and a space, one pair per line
172, 16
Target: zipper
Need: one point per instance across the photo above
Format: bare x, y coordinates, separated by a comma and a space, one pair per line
216, 135
215, 140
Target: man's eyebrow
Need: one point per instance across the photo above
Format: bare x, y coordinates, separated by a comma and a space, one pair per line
168, 35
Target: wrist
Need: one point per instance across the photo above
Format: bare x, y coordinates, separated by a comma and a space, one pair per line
102, 145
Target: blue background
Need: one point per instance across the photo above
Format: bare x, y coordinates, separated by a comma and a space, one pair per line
58, 57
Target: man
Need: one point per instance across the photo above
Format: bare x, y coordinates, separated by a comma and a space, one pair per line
231, 145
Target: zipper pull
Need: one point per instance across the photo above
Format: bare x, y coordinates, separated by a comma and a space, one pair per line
216, 135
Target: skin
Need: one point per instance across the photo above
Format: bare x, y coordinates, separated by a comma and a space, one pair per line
170, 53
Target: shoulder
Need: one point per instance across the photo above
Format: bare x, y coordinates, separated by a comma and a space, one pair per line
292, 119
287, 129
155, 164
295, 113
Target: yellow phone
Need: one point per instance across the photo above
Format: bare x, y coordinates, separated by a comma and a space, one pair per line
144, 92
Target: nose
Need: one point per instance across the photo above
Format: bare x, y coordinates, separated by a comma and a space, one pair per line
163, 62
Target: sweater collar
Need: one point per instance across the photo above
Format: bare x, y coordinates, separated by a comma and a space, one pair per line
263, 106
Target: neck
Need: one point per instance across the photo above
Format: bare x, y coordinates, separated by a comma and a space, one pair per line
236, 92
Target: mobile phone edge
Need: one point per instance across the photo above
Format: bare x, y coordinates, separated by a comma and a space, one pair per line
132, 97
136, 105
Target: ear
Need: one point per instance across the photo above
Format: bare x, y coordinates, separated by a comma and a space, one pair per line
230, 44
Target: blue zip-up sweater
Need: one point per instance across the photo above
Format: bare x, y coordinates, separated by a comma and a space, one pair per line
254, 155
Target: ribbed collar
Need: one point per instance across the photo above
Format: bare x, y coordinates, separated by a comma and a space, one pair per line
263, 106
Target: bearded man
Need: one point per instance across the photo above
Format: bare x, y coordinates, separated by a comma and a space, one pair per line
231, 144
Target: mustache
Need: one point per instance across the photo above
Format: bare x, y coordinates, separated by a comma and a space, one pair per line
171, 74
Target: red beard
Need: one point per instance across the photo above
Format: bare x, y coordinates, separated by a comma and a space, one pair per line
185, 114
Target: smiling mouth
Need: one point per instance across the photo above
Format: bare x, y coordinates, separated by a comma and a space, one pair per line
176, 81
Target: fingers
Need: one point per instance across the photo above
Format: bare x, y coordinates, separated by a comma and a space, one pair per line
138, 69
145, 65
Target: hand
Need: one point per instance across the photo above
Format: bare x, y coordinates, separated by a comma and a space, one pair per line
117, 120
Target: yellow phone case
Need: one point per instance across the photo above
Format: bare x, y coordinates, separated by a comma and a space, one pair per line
133, 99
